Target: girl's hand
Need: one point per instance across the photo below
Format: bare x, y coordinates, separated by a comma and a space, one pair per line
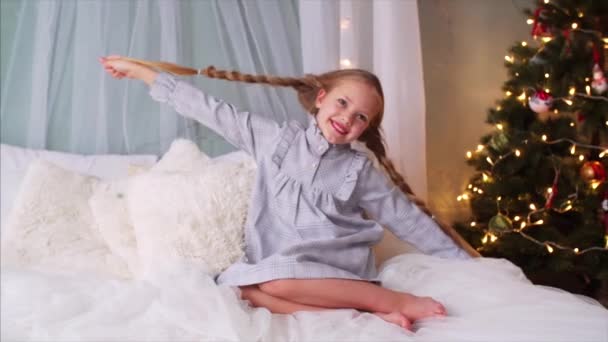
119, 68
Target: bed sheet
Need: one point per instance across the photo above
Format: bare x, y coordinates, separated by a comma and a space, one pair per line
487, 300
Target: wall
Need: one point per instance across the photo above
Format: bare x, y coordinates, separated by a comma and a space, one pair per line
463, 47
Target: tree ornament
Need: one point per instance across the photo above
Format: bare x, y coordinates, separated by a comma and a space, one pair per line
593, 171
500, 224
499, 141
539, 29
599, 83
540, 102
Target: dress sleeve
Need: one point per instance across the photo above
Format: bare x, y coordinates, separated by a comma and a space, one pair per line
249, 132
390, 207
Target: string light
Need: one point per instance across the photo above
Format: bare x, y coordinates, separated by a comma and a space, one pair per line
550, 249
345, 23
546, 39
547, 75
522, 97
530, 21
524, 43
572, 91
573, 149
345, 63
473, 224
508, 93
532, 206
499, 126
481, 147
588, 90
517, 153
516, 218
574, 26
509, 59
581, 157
469, 154
572, 124
568, 102
547, 90
489, 161
544, 137
603, 153
546, 1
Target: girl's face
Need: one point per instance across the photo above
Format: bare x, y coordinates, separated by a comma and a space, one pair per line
346, 111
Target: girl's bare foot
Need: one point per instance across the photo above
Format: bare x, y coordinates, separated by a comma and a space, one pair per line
395, 318
415, 308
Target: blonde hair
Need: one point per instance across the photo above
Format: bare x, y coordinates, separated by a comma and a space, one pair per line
307, 88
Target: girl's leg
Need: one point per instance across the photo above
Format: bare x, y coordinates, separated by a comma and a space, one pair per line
344, 293
258, 298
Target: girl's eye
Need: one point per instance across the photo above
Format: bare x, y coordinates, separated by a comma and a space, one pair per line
342, 102
362, 117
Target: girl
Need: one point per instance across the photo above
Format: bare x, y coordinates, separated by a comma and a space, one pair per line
307, 233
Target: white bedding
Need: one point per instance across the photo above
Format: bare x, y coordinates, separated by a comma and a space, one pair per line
487, 300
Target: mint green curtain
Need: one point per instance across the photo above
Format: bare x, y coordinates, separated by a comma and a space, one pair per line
55, 95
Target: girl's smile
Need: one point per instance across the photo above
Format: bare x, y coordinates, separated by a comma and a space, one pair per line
346, 111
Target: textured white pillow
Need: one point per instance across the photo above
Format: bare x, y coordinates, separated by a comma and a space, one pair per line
109, 208
51, 225
16, 160
109, 200
194, 216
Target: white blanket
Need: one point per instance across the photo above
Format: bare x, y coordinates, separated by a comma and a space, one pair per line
486, 299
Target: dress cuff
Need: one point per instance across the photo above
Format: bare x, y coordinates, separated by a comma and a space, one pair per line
163, 87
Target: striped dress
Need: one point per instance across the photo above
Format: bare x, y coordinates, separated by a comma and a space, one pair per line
305, 218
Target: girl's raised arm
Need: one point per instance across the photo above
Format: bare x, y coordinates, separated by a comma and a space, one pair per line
251, 133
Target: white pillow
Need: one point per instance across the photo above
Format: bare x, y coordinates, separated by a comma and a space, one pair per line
51, 225
191, 216
15, 161
109, 209
109, 200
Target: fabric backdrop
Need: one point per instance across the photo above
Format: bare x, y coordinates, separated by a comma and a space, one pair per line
55, 95
383, 37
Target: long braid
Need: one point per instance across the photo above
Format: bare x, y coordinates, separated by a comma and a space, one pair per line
307, 87
374, 142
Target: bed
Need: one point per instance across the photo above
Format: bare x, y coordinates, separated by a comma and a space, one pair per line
87, 255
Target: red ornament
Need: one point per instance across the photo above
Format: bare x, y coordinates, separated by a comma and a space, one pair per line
539, 29
593, 171
541, 103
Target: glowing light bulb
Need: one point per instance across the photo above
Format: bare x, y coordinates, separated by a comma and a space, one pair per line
530, 21
345, 23
550, 249
547, 75
568, 102
581, 157
473, 224
524, 44
546, 39
509, 59
480, 147
547, 90
573, 149
539, 222
485, 177
459, 198
572, 124
522, 97
516, 218
544, 137
517, 153
522, 225
550, 190
572, 91
603, 153
508, 93
499, 126
345, 63
532, 206
493, 238
576, 250
588, 90
574, 26
469, 154
489, 161
546, 1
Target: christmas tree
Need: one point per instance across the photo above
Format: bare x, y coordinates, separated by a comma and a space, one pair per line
539, 196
